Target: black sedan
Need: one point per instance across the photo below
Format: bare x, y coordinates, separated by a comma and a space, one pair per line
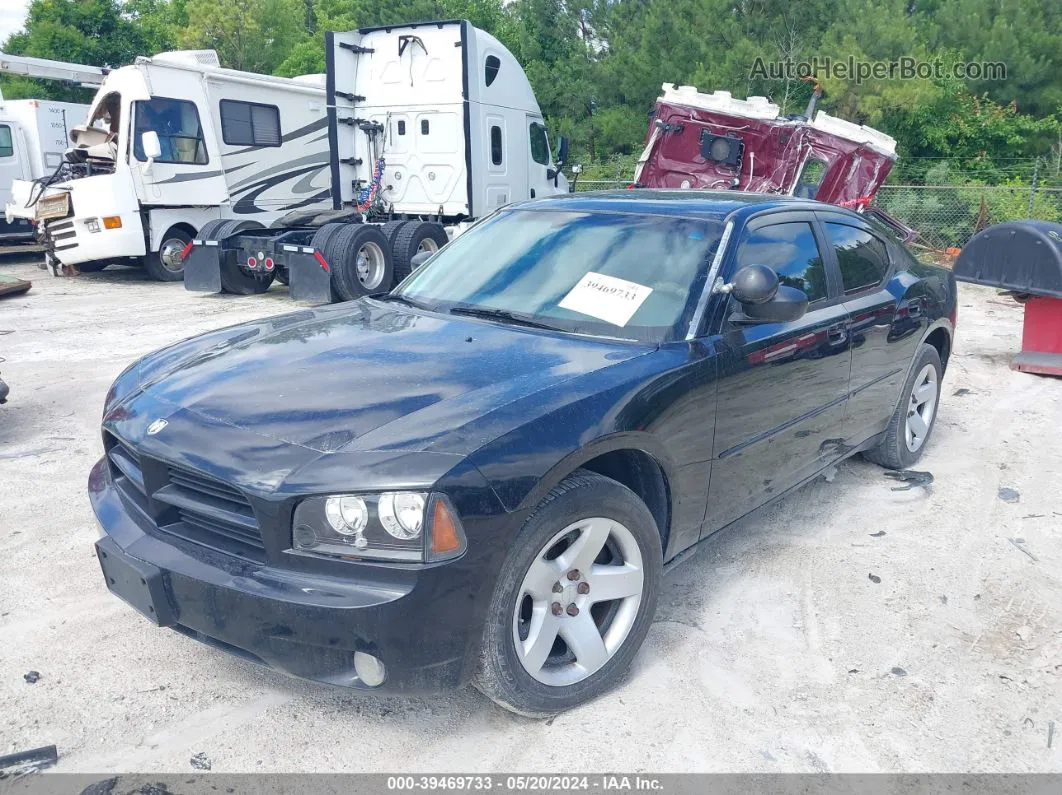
480, 476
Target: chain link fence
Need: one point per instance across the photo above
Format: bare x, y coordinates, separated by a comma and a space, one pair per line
945, 216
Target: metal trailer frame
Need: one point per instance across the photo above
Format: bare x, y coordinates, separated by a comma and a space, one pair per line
309, 273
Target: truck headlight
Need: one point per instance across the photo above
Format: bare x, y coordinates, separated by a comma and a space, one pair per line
397, 525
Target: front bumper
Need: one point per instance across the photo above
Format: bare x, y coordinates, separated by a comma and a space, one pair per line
416, 620
70, 241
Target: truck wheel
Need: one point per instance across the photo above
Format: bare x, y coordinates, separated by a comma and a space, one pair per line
574, 599
167, 264
283, 277
321, 241
909, 429
236, 277
390, 230
412, 239
361, 264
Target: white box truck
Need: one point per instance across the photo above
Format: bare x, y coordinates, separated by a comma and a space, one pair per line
171, 143
34, 133
430, 127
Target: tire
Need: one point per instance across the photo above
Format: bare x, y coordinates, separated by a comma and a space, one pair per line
166, 264
560, 683
321, 241
414, 237
361, 262
895, 450
235, 278
283, 277
210, 229
390, 230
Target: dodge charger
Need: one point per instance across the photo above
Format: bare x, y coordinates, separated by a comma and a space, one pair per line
480, 476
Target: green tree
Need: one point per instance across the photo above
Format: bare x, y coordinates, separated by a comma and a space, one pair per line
252, 35
92, 32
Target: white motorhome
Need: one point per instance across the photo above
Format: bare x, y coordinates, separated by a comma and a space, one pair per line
175, 141
430, 126
34, 133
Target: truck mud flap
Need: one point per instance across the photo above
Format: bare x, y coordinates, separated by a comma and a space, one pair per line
309, 275
1022, 256
202, 267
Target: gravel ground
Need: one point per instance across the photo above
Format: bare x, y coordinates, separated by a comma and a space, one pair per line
773, 649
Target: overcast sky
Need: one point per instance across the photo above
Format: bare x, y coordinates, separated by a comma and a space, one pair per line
12, 15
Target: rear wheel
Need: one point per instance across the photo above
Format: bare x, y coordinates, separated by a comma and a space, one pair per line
912, 423
390, 230
362, 261
167, 264
236, 277
322, 240
416, 237
574, 599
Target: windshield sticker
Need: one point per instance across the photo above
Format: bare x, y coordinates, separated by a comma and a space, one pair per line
607, 298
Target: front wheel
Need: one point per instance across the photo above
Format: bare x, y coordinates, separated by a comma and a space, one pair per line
574, 599
167, 264
912, 423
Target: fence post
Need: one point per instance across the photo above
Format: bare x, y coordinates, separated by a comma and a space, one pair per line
1035, 182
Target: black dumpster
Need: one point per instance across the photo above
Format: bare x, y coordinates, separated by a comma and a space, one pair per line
1024, 257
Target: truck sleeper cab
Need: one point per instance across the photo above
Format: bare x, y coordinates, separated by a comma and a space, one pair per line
431, 126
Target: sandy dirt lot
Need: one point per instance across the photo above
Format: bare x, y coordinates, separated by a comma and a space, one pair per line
773, 649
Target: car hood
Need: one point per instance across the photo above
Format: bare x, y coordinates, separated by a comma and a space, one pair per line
367, 375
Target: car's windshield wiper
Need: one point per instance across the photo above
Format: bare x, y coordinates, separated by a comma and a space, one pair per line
406, 300
501, 314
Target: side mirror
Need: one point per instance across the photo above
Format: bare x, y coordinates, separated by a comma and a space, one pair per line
149, 142
754, 284
763, 299
420, 258
562, 151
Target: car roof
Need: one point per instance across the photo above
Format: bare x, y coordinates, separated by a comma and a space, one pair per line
707, 204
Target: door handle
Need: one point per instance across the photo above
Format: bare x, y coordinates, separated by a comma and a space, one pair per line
838, 333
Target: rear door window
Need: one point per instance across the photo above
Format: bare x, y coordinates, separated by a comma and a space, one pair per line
862, 258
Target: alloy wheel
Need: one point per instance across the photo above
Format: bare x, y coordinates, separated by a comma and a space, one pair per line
578, 601
922, 408
370, 266
170, 254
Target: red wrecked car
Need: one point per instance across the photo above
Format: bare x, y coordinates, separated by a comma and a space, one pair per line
716, 142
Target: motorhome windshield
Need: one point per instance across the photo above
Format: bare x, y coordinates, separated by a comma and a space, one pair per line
107, 115
613, 275
176, 122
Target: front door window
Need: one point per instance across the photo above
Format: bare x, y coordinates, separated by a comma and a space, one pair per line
176, 122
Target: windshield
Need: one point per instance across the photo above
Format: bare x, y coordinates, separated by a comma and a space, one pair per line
607, 274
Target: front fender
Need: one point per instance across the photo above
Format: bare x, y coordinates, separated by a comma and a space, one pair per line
621, 440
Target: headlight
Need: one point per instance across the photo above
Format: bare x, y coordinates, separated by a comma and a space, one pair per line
395, 525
